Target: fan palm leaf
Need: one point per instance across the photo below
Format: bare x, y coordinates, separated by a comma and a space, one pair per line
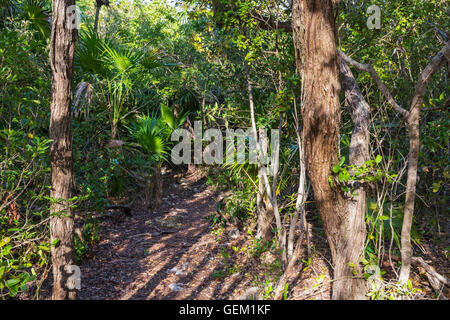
36, 12
8, 8
120, 60
89, 55
147, 132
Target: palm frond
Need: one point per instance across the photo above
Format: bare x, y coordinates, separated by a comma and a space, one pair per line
147, 131
89, 54
121, 60
168, 117
8, 8
150, 60
36, 12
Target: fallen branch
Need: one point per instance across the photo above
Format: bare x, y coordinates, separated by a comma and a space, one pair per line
436, 279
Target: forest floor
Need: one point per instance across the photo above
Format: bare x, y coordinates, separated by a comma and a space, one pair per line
173, 253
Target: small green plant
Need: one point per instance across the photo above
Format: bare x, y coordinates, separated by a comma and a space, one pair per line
215, 220
307, 264
219, 274
90, 235
380, 290
285, 291
370, 171
259, 246
224, 252
268, 290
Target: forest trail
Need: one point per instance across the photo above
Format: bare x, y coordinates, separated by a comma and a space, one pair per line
172, 253
165, 254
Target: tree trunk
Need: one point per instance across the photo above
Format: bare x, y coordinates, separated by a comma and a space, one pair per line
188, 126
406, 248
263, 206
62, 47
316, 56
148, 192
265, 213
157, 188
358, 154
97, 14
414, 142
114, 124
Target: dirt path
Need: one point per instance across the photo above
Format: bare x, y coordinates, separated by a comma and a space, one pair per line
167, 254
171, 253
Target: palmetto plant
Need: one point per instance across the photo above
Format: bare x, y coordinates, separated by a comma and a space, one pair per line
123, 65
116, 97
118, 66
37, 12
8, 8
169, 118
89, 54
152, 133
149, 132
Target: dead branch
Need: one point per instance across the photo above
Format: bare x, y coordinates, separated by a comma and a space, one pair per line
436, 279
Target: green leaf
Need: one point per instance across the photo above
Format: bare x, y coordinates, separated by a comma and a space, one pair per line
167, 116
44, 247
5, 241
2, 271
378, 159
12, 282
436, 186
344, 176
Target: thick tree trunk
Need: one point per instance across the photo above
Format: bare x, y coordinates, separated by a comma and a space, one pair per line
315, 43
62, 47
